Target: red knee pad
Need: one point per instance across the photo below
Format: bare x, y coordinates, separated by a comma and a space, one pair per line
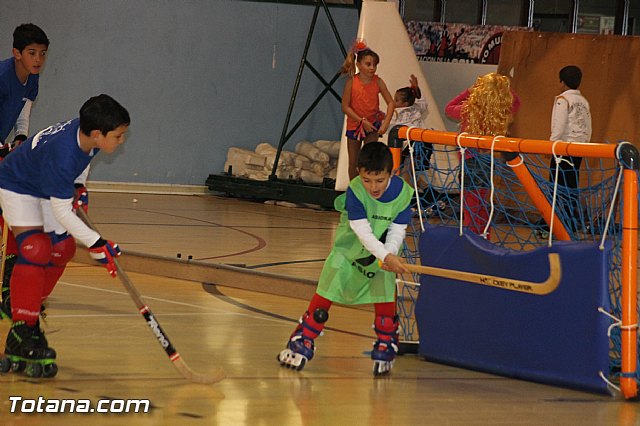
34, 247
312, 322
63, 249
385, 327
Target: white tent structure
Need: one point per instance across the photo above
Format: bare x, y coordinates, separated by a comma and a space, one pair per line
385, 33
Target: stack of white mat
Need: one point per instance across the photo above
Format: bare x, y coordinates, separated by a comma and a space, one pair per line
311, 161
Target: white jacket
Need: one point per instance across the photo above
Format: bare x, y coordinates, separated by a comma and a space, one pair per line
571, 118
410, 116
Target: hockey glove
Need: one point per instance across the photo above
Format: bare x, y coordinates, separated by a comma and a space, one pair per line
104, 251
4, 150
81, 198
10, 146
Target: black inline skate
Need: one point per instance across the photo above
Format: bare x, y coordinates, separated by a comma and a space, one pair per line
27, 350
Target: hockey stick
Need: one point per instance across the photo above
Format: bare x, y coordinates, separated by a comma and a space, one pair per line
3, 250
153, 324
531, 287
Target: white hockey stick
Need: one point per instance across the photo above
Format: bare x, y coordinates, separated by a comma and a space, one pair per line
153, 324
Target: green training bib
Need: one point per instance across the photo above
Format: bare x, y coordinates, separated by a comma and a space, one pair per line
351, 274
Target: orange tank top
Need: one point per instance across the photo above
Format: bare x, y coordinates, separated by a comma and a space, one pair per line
364, 100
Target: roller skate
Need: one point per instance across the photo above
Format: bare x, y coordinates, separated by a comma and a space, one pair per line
385, 348
383, 356
435, 208
542, 234
542, 230
299, 351
301, 348
27, 350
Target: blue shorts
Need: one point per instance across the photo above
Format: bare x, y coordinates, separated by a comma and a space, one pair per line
359, 135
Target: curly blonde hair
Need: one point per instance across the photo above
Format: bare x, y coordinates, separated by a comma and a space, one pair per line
488, 110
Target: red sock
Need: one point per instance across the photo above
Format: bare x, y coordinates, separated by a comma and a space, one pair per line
385, 324
318, 301
27, 283
62, 250
387, 309
52, 274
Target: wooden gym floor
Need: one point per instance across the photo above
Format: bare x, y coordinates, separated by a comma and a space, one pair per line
106, 351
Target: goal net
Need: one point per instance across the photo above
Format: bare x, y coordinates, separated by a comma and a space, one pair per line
525, 254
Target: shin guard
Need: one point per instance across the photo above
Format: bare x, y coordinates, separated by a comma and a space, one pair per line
62, 251
27, 280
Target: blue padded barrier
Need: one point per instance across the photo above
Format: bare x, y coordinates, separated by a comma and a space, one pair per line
558, 338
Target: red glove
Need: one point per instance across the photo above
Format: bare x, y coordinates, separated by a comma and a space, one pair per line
104, 251
81, 198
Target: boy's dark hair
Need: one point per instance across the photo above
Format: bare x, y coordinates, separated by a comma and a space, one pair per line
102, 113
375, 157
408, 94
571, 76
27, 34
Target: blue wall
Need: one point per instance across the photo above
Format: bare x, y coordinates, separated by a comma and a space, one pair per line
196, 76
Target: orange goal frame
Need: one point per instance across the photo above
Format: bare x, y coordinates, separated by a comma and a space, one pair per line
623, 153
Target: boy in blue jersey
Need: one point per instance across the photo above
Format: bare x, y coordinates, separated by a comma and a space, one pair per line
37, 185
361, 268
19, 82
19, 77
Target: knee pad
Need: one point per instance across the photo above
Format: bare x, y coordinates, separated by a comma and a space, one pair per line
321, 315
34, 248
310, 325
63, 249
386, 328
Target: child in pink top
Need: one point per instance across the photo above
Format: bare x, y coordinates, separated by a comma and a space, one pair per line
487, 108
360, 102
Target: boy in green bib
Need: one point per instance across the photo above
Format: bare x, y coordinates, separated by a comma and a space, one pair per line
374, 214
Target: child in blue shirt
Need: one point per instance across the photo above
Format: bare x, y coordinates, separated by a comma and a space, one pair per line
19, 77
37, 188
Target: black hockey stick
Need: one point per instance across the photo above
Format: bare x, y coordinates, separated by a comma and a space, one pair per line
153, 324
3, 250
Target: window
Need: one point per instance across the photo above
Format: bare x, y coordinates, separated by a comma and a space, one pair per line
504, 12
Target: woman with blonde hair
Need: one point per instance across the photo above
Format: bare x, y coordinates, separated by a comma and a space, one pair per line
486, 108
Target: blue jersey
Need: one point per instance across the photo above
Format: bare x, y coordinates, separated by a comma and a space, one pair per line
47, 164
13, 95
356, 210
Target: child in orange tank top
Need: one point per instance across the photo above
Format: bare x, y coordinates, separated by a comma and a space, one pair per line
360, 101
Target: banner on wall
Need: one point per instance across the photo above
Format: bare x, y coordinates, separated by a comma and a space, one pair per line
440, 42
